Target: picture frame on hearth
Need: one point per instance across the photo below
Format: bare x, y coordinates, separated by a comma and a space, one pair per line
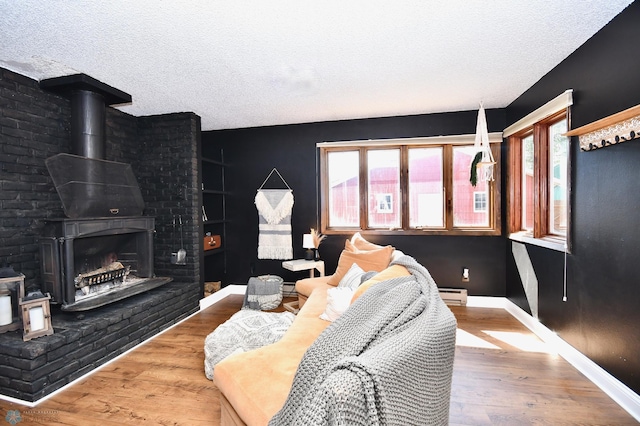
36, 315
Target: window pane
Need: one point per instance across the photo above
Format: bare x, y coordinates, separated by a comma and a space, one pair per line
344, 189
527, 183
558, 154
426, 195
469, 203
383, 177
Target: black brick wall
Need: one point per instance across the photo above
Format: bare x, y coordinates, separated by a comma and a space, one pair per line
33, 126
163, 151
167, 171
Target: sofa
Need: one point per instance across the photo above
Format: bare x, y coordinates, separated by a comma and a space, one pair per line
385, 356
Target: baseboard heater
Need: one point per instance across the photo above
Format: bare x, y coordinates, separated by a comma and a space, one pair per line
454, 296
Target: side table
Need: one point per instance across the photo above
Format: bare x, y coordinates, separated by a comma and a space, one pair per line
304, 265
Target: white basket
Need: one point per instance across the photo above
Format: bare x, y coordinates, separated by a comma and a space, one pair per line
271, 301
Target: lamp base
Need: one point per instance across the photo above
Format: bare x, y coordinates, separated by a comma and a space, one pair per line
309, 254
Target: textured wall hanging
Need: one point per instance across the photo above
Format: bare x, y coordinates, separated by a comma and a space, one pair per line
621, 127
274, 221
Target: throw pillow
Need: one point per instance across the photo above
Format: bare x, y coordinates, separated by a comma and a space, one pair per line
373, 260
360, 243
391, 272
352, 278
338, 301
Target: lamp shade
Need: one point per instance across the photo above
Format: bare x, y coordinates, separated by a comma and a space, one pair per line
307, 241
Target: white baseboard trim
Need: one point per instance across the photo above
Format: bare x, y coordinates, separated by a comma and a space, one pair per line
618, 391
486, 302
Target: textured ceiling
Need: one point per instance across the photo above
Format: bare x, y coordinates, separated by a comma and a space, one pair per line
258, 63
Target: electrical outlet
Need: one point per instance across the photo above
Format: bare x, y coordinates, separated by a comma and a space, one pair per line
465, 274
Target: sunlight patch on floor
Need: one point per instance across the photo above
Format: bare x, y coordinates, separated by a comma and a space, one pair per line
524, 342
464, 338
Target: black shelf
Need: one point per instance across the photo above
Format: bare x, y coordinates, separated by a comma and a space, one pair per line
214, 222
214, 162
214, 251
214, 191
214, 202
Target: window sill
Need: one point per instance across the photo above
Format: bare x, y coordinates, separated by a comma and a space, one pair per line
454, 232
552, 243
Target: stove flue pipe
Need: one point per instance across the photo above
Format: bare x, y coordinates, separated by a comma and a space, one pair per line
89, 100
88, 124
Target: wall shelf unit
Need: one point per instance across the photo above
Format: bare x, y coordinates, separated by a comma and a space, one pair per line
214, 213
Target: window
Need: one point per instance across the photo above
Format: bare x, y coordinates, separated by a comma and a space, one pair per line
407, 185
538, 180
479, 202
385, 202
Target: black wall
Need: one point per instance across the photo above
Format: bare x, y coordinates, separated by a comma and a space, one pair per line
601, 316
252, 153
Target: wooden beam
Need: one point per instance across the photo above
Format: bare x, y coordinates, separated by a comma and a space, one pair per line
605, 122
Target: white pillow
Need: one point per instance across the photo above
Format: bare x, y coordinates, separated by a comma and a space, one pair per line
352, 278
397, 254
338, 301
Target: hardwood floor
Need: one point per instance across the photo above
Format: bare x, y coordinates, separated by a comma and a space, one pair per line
503, 375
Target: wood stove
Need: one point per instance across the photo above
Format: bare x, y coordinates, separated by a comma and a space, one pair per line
76, 255
103, 251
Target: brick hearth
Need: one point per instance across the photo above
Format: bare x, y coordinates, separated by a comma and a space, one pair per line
85, 340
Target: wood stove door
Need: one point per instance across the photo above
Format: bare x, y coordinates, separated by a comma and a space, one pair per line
50, 268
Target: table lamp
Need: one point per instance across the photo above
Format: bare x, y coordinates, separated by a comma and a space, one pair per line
307, 242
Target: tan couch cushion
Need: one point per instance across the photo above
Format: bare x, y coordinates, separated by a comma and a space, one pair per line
307, 285
257, 382
372, 260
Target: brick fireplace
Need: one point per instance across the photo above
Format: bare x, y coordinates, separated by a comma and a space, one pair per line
163, 153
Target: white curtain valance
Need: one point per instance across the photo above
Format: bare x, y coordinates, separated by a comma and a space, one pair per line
555, 105
495, 137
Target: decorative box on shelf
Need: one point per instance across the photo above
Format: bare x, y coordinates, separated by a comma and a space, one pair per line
212, 242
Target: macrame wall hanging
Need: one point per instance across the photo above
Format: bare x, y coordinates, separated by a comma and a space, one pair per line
483, 163
274, 221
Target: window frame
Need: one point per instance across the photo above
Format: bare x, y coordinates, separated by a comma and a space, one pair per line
447, 143
542, 178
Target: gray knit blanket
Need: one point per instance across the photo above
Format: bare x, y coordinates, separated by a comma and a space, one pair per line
388, 360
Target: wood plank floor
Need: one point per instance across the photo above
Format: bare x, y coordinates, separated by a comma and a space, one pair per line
503, 375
